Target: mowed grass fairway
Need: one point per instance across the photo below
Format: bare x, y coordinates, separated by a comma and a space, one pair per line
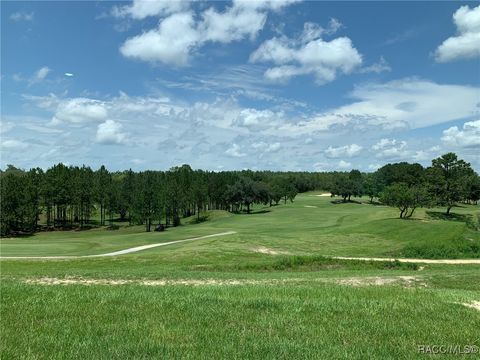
266, 291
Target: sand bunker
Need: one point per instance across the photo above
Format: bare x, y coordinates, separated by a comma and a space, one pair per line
310, 206
324, 194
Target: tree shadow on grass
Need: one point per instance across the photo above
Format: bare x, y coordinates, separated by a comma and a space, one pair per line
253, 212
336, 202
465, 218
376, 203
18, 235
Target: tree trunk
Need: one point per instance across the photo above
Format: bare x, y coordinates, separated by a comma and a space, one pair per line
411, 212
448, 210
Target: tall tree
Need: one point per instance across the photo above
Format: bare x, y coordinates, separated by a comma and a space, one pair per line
102, 182
448, 179
372, 186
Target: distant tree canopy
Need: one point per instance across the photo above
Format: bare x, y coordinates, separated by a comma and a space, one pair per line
69, 196
446, 182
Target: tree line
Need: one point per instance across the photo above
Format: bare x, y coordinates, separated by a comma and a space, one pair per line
448, 181
71, 196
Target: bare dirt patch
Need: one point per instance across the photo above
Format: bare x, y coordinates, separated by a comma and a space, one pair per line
474, 305
406, 281
264, 250
146, 282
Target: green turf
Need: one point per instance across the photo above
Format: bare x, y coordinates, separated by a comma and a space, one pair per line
284, 306
326, 229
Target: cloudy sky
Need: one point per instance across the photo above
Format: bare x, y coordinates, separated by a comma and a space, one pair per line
281, 85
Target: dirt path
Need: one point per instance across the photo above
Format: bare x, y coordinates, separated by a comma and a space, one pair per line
422, 261
119, 252
406, 281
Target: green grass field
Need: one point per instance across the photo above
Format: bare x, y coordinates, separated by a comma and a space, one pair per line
266, 291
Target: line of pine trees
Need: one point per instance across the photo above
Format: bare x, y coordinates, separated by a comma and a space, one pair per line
71, 196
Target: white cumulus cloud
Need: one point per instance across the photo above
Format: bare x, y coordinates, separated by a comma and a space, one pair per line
468, 136
341, 151
309, 54
466, 44
390, 148
171, 43
180, 34
110, 132
79, 111
140, 9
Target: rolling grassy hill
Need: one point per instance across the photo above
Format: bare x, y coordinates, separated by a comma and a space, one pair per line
265, 291
310, 225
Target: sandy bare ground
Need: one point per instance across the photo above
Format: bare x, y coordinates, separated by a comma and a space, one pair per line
422, 261
310, 206
120, 252
324, 194
145, 282
264, 250
406, 281
474, 305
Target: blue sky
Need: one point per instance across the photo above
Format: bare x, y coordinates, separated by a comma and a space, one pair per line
281, 85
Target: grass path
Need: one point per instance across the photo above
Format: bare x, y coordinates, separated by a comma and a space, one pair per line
120, 252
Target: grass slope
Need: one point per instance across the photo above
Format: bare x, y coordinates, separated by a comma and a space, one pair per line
311, 225
247, 304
